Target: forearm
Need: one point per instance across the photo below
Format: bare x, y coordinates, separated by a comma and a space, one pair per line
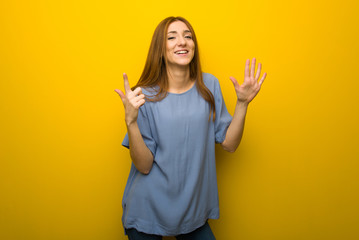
235, 130
141, 156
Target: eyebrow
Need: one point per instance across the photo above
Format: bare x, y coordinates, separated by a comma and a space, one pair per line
176, 31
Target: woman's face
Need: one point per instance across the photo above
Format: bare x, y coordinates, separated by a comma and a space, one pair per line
180, 46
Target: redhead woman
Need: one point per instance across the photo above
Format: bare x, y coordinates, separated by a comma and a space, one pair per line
174, 117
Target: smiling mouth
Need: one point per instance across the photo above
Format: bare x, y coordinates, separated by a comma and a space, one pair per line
184, 52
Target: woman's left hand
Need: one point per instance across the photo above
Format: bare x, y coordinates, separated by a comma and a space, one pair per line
250, 87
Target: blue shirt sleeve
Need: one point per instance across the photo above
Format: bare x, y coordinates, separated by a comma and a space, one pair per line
223, 118
145, 129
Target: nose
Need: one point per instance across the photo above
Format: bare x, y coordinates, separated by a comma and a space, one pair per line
181, 41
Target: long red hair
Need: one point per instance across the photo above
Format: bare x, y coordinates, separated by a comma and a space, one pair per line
155, 72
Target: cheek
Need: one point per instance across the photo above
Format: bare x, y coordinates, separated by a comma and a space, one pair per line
168, 46
169, 49
168, 53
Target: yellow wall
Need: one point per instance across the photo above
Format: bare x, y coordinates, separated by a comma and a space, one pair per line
63, 170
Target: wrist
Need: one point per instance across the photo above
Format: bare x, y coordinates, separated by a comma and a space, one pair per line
130, 123
242, 104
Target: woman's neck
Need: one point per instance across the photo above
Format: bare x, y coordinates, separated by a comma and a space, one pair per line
179, 80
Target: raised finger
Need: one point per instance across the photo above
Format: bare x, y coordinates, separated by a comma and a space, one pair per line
121, 94
246, 69
258, 71
262, 79
253, 67
127, 85
235, 82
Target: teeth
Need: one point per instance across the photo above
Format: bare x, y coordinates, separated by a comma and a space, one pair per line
179, 52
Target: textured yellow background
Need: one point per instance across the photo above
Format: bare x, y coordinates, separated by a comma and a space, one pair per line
63, 170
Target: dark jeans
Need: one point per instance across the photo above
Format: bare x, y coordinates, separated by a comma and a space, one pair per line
202, 233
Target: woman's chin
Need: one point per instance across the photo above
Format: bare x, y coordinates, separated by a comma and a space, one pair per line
181, 63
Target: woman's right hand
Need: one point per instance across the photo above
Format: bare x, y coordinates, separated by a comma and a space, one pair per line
132, 101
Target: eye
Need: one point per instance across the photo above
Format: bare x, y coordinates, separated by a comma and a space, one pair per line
170, 38
189, 37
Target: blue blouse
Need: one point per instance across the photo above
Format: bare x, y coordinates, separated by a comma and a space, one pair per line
180, 192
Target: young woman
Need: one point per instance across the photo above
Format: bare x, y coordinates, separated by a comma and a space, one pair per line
174, 116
